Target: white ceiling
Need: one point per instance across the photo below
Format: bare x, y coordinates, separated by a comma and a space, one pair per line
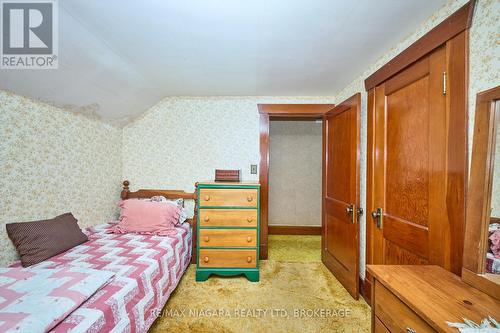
118, 58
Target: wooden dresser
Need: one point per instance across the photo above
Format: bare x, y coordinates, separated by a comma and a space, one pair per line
228, 230
423, 298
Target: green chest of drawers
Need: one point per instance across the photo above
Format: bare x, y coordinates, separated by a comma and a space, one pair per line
228, 230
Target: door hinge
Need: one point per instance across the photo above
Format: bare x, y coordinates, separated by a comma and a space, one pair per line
444, 83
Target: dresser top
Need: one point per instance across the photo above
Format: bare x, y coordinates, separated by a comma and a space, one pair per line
436, 294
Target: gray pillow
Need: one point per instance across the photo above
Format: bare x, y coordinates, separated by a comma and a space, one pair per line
37, 241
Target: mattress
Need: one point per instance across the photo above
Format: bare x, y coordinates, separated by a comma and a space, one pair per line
147, 269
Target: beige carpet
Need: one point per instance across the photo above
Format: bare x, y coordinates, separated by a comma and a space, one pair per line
294, 248
290, 297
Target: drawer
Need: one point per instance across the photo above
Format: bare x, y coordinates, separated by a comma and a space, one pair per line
223, 197
228, 217
378, 327
228, 258
228, 237
394, 314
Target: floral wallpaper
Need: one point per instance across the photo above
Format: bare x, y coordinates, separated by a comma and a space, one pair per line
182, 140
53, 161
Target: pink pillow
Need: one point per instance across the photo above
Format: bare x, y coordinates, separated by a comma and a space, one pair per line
145, 217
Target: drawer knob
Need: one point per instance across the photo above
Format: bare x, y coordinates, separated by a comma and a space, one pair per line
249, 239
205, 259
249, 198
206, 219
249, 259
206, 239
410, 330
249, 219
207, 197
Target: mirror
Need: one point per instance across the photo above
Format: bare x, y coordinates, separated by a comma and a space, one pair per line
492, 264
481, 253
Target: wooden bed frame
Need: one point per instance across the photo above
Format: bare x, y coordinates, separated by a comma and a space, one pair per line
169, 194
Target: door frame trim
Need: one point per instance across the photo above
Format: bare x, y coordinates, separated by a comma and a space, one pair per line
268, 112
456, 23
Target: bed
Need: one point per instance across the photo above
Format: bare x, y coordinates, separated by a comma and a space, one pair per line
146, 269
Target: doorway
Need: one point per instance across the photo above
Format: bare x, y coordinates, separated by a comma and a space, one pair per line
277, 112
295, 180
340, 205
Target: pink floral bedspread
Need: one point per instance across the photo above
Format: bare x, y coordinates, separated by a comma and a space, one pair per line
147, 269
36, 300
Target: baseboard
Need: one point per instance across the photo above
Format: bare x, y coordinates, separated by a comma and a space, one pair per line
365, 287
293, 230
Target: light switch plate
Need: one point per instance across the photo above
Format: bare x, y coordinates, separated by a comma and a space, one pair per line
253, 169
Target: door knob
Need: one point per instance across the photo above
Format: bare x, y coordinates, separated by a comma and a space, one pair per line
350, 211
377, 215
360, 211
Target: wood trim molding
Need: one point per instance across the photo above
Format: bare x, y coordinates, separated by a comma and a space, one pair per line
277, 111
294, 230
364, 292
494, 219
264, 182
291, 110
481, 178
446, 30
479, 196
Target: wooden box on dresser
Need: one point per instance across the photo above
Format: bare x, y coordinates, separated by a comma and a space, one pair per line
228, 229
423, 298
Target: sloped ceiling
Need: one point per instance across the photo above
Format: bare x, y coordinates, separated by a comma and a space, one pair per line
118, 58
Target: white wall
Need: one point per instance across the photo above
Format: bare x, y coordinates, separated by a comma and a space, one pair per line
295, 158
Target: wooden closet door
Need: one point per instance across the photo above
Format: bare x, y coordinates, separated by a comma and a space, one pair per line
340, 230
412, 135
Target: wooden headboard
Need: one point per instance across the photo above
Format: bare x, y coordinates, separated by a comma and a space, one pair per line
169, 194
